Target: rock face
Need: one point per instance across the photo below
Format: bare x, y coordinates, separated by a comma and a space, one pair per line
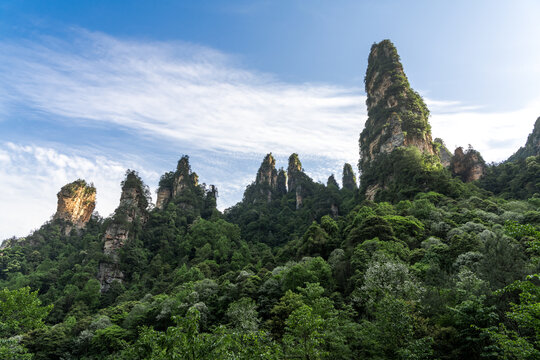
76, 203
444, 154
532, 146
348, 179
163, 197
397, 115
468, 165
294, 171
131, 212
267, 174
295, 178
174, 183
267, 177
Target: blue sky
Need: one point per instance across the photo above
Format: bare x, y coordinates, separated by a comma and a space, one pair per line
90, 88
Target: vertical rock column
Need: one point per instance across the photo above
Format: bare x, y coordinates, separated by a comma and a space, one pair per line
76, 203
132, 210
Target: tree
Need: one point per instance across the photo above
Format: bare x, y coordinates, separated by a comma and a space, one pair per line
303, 334
523, 341
21, 311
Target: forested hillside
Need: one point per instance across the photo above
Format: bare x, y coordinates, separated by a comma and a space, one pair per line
408, 262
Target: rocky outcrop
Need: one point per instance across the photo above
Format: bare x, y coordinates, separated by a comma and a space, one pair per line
444, 154
467, 165
163, 197
348, 179
267, 174
174, 183
76, 203
295, 177
131, 213
331, 182
184, 178
397, 115
294, 172
532, 146
267, 177
371, 191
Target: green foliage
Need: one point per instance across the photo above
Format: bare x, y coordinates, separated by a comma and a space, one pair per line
11, 349
415, 277
20, 312
405, 172
513, 179
521, 341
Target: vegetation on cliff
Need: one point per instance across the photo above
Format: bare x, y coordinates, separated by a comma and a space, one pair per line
429, 268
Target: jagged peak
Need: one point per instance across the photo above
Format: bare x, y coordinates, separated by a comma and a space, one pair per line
174, 183
468, 164
267, 173
76, 202
397, 115
332, 182
293, 171
183, 166
135, 197
348, 178
294, 164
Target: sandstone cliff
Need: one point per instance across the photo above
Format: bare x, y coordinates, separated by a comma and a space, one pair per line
295, 178
397, 115
131, 214
76, 203
468, 165
267, 177
174, 183
267, 173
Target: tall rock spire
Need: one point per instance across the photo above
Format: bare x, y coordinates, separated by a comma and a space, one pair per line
267, 174
397, 115
349, 179
76, 202
133, 209
267, 177
296, 176
294, 171
174, 183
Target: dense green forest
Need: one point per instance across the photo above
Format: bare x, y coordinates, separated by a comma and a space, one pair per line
430, 268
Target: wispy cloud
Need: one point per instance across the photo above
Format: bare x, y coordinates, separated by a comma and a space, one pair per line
180, 91
206, 100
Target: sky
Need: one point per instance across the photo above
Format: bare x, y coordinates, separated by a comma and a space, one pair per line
89, 89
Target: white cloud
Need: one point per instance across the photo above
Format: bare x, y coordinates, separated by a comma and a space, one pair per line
495, 135
182, 92
31, 176
204, 99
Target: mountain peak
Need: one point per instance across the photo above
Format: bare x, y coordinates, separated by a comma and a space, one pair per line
397, 115
76, 202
